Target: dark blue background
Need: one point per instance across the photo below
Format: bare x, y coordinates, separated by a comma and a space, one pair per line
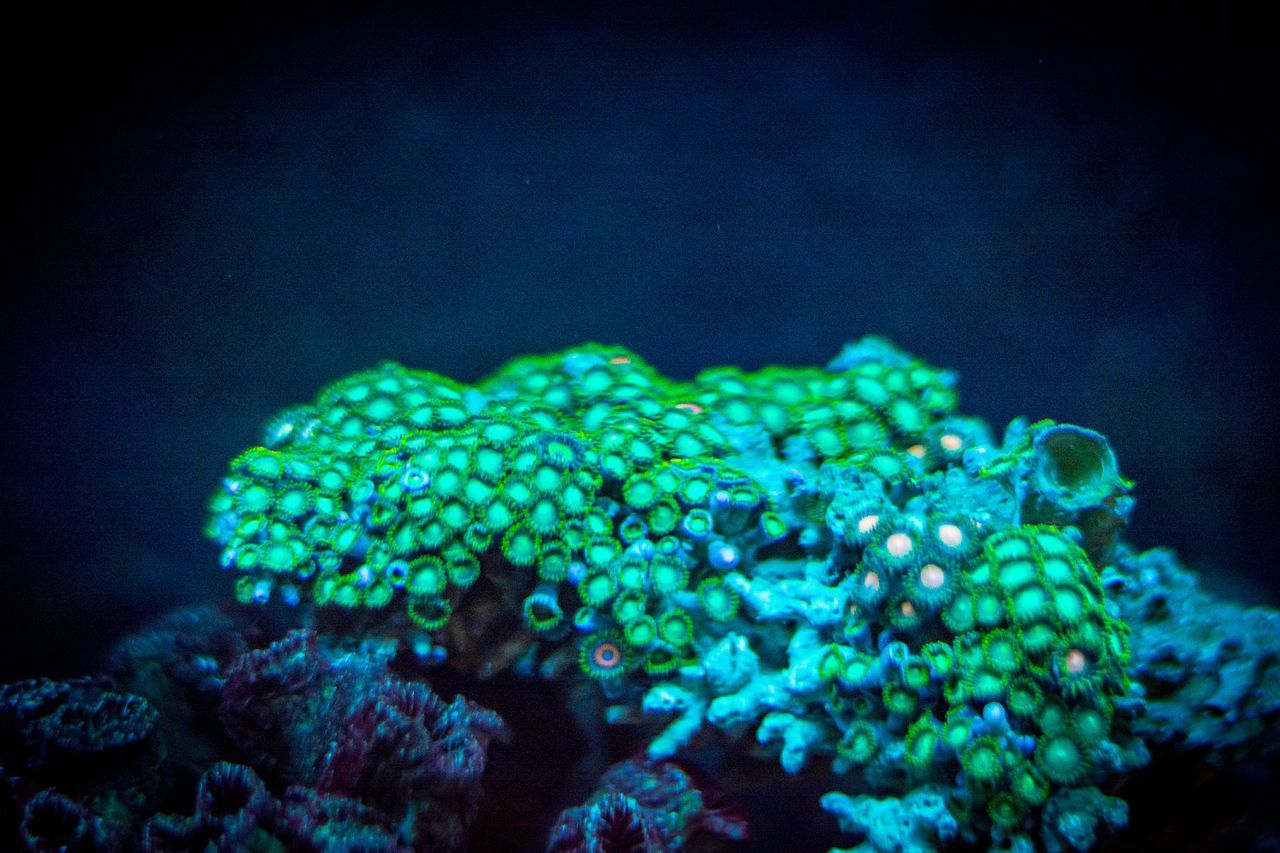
210, 220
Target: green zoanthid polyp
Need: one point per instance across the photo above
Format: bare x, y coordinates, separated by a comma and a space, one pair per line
833, 557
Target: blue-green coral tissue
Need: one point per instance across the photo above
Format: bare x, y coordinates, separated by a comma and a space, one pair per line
832, 560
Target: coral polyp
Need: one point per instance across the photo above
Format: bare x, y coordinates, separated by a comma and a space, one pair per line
835, 559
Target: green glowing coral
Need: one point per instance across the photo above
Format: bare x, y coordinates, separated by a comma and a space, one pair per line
1062, 758
834, 549
922, 741
983, 761
859, 744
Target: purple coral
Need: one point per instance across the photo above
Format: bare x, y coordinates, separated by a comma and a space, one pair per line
614, 823
182, 655
52, 822
235, 811
231, 804
97, 746
341, 724
79, 723
406, 740
178, 663
314, 821
99, 722
276, 706
233, 796
643, 806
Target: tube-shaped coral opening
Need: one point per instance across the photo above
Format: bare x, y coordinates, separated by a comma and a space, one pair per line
1075, 467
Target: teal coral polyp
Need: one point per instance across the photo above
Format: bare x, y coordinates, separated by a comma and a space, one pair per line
833, 557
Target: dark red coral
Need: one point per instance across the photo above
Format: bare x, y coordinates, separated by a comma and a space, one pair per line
643, 806
405, 742
314, 821
612, 823
235, 811
338, 753
341, 724
283, 706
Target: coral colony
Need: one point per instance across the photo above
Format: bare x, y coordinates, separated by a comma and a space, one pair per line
818, 566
